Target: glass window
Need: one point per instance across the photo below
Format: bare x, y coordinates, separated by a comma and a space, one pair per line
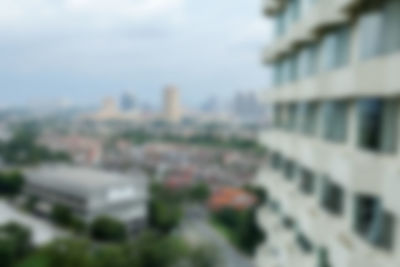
335, 121
307, 181
280, 24
291, 117
276, 161
278, 116
334, 49
289, 170
377, 129
391, 21
308, 113
304, 243
371, 25
307, 65
277, 73
332, 197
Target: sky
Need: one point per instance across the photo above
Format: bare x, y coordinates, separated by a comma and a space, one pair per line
80, 51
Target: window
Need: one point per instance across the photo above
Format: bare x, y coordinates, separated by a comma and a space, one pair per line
289, 170
291, 117
334, 49
307, 181
304, 243
377, 129
332, 198
371, 25
323, 258
335, 121
379, 28
277, 73
280, 26
308, 61
391, 22
293, 67
288, 222
278, 116
308, 118
372, 222
276, 161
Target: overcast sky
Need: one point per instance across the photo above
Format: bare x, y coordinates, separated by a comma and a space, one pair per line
84, 50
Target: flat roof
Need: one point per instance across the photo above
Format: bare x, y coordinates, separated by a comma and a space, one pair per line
76, 179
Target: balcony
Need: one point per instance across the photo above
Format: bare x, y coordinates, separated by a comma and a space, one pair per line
323, 14
371, 78
347, 250
271, 7
350, 167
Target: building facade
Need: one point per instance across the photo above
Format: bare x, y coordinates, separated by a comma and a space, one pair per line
90, 193
172, 108
333, 174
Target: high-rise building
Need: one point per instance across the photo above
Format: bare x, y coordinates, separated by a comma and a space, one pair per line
333, 175
128, 102
172, 109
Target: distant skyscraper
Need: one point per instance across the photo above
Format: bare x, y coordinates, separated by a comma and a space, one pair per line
247, 106
210, 105
128, 102
172, 109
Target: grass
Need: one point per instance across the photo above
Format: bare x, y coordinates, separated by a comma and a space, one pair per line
37, 260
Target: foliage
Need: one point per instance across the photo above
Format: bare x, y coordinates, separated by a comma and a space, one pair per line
164, 214
15, 242
205, 256
108, 230
22, 149
62, 215
240, 227
199, 192
260, 193
11, 183
150, 249
141, 136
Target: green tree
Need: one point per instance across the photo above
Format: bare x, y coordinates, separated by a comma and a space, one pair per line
108, 229
200, 192
11, 183
164, 215
15, 242
152, 249
62, 215
69, 253
204, 256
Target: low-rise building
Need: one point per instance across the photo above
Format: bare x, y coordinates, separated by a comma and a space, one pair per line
90, 193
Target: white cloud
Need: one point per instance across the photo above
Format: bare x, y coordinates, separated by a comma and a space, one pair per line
101, 13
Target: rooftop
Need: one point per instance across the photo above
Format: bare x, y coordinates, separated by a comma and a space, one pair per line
82, 179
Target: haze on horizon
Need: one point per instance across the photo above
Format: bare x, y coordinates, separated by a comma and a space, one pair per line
83, 50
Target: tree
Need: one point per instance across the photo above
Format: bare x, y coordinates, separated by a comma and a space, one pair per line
69, 253
164, 215
15, 242
11, 183
200, 192
204, 256
152, 249
108, 229
62, 215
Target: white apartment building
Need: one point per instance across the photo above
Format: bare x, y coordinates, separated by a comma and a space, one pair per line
333, 176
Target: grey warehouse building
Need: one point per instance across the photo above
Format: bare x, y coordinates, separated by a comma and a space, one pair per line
90, 193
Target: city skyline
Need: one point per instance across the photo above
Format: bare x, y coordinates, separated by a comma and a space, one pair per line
79, 52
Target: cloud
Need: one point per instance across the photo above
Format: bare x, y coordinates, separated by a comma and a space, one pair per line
102, 14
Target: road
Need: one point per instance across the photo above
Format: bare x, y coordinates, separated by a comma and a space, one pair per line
197, 229
42, 231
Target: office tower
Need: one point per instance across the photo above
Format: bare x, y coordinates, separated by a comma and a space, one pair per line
172, 109
333, 174
128, 102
